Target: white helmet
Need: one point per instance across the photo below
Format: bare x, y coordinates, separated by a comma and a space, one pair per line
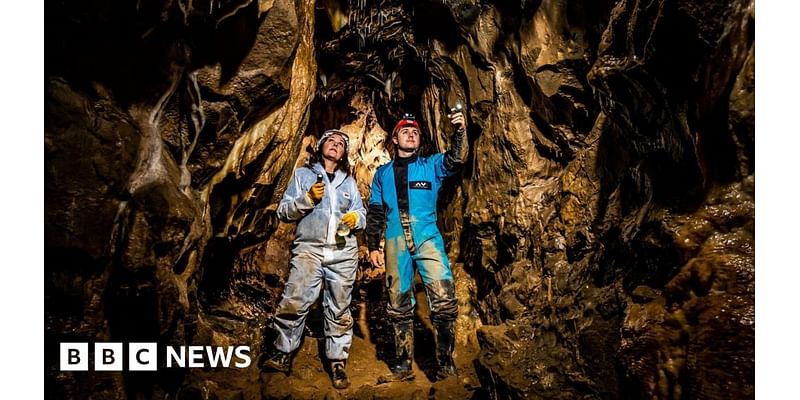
331, 132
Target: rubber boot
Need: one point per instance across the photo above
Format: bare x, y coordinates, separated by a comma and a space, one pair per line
404, 352
445, 343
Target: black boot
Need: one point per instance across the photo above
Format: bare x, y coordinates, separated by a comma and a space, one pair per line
404, 352
445, 343
338, 374
278, 361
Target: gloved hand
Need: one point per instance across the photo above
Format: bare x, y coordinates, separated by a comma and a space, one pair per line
350, 219
316, 192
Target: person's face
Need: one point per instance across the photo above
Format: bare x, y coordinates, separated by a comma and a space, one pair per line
407, 138
333, 148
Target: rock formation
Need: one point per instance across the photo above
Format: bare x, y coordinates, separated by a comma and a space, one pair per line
601, 232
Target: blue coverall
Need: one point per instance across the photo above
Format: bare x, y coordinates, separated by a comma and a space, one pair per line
411, 234
318, 254
404, 198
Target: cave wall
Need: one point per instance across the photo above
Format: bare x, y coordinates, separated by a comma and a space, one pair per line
164, 122
601, 232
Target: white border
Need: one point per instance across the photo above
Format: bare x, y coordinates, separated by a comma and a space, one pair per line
22, 200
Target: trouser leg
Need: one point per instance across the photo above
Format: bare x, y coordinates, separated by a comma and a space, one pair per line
434, 269
399, 281
400, 308
302, 289
438, 279
340, 273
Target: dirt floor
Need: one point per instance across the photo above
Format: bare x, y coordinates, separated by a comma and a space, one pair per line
372, 350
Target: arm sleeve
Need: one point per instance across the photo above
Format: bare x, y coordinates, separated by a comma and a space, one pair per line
455, 157
295, 203
376, 216
357, 205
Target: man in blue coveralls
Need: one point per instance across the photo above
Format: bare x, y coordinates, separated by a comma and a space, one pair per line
402, 206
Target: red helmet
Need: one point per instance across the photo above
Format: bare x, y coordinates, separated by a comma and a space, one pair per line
407, 120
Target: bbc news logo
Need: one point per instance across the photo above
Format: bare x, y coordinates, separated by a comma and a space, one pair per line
144, 356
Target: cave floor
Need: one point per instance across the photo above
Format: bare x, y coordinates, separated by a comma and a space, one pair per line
309, 379
372, 350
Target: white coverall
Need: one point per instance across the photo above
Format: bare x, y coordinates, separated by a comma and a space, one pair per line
319, 254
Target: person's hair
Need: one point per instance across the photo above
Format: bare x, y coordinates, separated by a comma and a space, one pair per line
343, 164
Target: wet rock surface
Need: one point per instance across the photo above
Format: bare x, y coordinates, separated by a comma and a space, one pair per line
601, 232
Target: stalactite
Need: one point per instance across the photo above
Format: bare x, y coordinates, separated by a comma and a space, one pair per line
600, 231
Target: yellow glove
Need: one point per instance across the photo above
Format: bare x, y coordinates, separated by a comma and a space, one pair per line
350, 219
316, 192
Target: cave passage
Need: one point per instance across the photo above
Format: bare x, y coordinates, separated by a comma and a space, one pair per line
600, 233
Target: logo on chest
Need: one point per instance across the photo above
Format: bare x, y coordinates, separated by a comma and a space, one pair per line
346, 195
424, 185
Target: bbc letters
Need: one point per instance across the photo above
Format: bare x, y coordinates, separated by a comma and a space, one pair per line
145, 357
